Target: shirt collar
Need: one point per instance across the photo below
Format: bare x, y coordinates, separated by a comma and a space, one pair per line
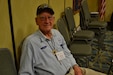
43, 37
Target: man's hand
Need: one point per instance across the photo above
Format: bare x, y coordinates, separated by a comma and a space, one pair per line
77, 70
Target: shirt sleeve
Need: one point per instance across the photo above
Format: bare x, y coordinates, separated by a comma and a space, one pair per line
26, 62
69, 56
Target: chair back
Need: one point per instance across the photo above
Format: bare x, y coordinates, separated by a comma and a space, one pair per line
85, 11
70, 20
63, 29
82, 21
7, 65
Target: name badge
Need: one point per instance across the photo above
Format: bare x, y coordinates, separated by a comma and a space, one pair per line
60, 55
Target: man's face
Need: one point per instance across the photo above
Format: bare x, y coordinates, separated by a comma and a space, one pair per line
45, 21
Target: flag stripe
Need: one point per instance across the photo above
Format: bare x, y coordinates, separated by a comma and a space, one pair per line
102, 8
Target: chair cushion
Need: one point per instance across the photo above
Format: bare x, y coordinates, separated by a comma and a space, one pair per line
97, 24
81, 49
86, 34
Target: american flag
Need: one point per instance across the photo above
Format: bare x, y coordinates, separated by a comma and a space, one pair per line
102, 9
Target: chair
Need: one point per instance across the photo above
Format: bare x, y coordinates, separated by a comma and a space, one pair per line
81, 34
110, 24
77, 49
99, 27
7, 65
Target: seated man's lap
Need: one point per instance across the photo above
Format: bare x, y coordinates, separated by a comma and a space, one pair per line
87, 71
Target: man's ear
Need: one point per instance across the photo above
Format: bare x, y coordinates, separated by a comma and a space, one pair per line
36, 21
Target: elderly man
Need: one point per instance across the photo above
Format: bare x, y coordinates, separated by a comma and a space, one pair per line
45, 52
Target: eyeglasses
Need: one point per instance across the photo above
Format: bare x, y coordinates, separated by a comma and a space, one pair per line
43, 18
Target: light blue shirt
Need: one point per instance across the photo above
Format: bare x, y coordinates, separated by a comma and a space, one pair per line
37, 56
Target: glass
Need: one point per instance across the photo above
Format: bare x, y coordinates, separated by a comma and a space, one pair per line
43, 18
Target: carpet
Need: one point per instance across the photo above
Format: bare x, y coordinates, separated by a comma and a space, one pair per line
101, 58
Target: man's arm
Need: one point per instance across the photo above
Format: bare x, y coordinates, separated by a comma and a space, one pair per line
26, 63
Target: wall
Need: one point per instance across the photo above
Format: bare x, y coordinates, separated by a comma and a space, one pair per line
5, 32
109, 9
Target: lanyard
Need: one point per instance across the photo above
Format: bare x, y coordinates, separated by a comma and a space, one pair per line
52, 45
